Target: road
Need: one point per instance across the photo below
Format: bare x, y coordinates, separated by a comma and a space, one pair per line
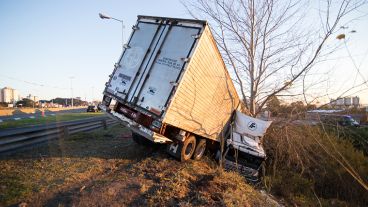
38, 113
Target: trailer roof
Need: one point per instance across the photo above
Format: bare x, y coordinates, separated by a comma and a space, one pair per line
204, 22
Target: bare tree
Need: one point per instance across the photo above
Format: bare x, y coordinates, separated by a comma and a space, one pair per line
270, 45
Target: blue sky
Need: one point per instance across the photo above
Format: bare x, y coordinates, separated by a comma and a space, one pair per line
44, 42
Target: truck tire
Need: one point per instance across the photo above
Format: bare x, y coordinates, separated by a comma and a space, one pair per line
141, 140
182, 151
189, 146
200, 149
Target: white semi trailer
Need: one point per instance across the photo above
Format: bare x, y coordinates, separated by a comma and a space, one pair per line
170, 85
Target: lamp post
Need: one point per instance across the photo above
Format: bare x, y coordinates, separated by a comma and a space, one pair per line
71, 90
103, 16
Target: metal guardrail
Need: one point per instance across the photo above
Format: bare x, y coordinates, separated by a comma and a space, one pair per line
11, 139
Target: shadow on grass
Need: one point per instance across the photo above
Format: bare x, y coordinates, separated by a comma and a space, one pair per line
49, 171
113, 143
18, 112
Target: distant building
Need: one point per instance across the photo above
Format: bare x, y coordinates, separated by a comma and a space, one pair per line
9, 95
345, 102
1, 96
356, 101
340, 102
49, 104
33, 98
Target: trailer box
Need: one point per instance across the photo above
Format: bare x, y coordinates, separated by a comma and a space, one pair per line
171, 83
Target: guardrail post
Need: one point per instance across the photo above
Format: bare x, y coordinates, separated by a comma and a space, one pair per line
42, 133
65, 132
104, 124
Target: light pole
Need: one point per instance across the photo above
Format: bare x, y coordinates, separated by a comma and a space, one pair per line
93, 93
71, 89
103, 16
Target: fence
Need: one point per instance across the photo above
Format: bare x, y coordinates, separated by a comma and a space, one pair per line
11, 139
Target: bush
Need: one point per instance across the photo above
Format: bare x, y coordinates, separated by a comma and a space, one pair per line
307, 165
357, 136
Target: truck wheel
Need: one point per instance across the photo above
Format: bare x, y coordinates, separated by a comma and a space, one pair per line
188, 148
200, 149
141, 140
182, 151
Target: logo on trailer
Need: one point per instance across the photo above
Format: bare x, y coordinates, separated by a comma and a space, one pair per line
252, 125
132, 57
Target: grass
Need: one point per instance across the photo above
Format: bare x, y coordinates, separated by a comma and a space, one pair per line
196, 183
47, 119
357, 136
309, 166
60, 163
159, 180
106, 168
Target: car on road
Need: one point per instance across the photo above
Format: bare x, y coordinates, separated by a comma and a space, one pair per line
92, 109
342, 120
348, 121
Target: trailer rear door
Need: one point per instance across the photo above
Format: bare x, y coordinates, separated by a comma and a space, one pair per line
135, 57
156, 87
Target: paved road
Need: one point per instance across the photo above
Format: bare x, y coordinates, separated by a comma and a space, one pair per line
37, 114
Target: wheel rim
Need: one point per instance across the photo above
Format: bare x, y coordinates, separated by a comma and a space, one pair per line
189, 149
201, 152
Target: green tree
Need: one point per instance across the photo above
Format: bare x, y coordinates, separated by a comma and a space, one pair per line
25, 103
274, 105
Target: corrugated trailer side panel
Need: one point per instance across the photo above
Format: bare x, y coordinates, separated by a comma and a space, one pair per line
206, 96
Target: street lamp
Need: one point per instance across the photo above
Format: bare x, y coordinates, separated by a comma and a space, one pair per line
103, 16
71, 89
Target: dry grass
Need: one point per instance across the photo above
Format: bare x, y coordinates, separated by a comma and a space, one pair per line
161, 181
106, 168
60, 163
310, 166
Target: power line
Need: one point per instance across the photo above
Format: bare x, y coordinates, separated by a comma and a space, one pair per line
33, 83
355, 65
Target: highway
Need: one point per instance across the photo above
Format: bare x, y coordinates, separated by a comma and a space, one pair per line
38, 113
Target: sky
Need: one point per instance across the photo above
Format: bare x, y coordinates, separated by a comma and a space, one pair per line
43, 43
48, 47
